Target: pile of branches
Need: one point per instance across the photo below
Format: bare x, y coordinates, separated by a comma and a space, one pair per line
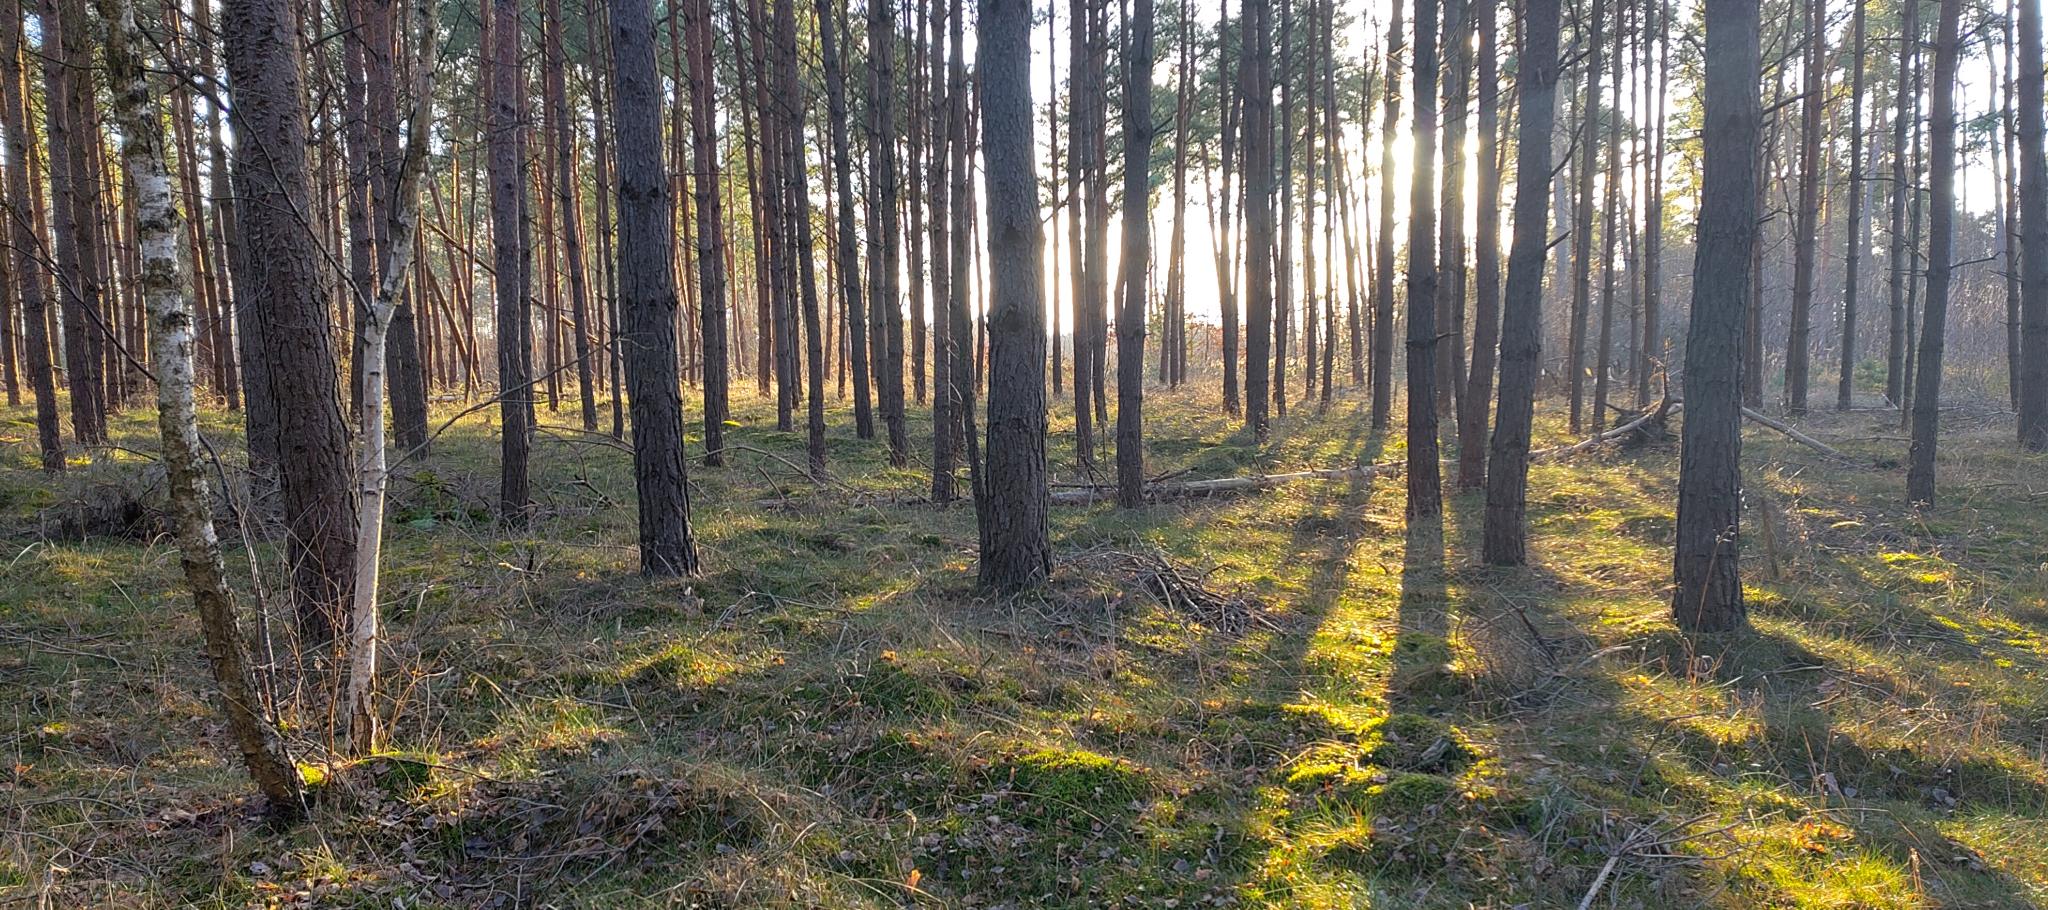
1180, 590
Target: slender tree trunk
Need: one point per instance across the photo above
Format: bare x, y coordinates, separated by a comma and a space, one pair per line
884, 293
401, 225
1383, 269
1450, 314
1612, 226
1425, 493
27, 241
1707, 590
1901, 266
511, 263
831, 27
2033, 206
1852, 261
946, 442
172, 340
1799, 344
1505, 540
1011, 499
1926, 425
1257, 123
1472, 404
1582, 218
1137, 256
647, 291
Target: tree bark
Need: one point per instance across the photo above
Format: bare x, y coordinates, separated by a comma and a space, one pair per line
1707, 592
2033, 184
1425, 493
647, 292
1941, 217
1383, 267
161, 280
1472, 405
1011, 499
1799, 344
283, 294
511, 263
1137, 257
28, 265
1257, 123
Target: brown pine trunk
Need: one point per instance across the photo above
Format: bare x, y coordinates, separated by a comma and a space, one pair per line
1383, 256
511, 263
1505, 540
832, 28
1852, 261
1799, 344
1941, 217
1137, 256
1582, 219
28, 266
2033, 199
1707, 590
1478, 391
293, 327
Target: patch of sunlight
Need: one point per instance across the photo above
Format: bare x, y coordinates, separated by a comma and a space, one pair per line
561, 725
1820, 865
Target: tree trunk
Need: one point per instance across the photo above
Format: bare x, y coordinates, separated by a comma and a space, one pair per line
1521, 346
162, 283
831, 25
28, 264
1799, 344
1582, 220
1941, 217
1707, 592
1852, 261
1472, 404
2033, 183
1137, 257
1383, 266
293, 324
1901, 266
1257, 123
1425, 494
647, 292
569, 217
1011, 499
884, 292
511, 263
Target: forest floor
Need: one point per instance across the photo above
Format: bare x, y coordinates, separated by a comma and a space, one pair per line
1332, 708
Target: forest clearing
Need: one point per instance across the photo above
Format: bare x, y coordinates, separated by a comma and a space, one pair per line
832, 716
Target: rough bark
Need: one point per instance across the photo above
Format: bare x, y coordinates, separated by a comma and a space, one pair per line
1425, 493
283, 295
28, 265
1137, 257
1478, 391
2033, 187
1011, 499
1799, 344
511, 263
161, 280
1941, 218
1707, 591
647, 292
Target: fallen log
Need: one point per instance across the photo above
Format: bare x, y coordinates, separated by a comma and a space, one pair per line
1789, 432
1658, 414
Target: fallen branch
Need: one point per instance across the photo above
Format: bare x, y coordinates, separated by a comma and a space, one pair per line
1798, 437
1658, 414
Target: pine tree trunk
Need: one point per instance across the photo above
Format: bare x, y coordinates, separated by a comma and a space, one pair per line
1383, 256
1425, 494
1941, 217
1137, 257
832, 27
2033, 192
1901, 266
511, 263
648, 302
1257, 124
28, 265
1472, 404
1505, 540
1852, 261
1011, 498
1582, 219
293, 324
1799, 344
1707, 591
